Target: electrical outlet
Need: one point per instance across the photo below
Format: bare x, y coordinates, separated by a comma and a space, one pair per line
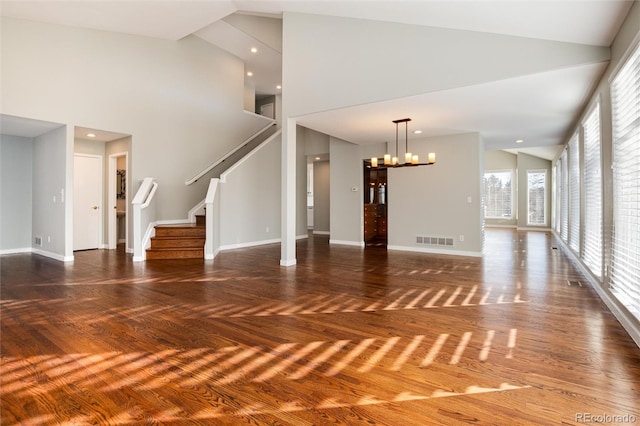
461, 238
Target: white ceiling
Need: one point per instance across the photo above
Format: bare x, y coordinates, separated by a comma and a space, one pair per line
540, 108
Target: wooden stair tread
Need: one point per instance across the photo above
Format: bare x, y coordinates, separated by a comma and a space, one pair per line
178, 241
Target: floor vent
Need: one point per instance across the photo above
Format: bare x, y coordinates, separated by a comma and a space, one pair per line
574, 283
435, 241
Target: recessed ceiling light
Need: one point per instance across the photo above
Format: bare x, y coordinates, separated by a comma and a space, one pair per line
91, 135
417, 132
249, 73
520, 141
317, 158
254, 50
278, 87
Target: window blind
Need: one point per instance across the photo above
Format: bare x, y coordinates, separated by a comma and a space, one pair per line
498, 195
536, 183
574, 194
564, 230
625, 258
557, 178
592, 253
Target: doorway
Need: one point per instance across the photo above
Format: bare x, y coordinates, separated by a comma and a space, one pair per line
87, 201
376, 198
117, 196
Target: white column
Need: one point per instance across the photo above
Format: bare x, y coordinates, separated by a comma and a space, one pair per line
288, 214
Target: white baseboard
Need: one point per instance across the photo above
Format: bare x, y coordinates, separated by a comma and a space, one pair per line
248, 244
51, 255
16, 251
533, 228
436, 251
347, 243
290, 262
321, 232
500, 226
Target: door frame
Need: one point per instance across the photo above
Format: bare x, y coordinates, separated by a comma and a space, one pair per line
112, 240
100, 189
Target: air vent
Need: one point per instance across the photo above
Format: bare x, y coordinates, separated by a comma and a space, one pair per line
38, 241
434, 241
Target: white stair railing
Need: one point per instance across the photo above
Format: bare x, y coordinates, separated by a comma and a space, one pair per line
212, 220
144, 217
229, 154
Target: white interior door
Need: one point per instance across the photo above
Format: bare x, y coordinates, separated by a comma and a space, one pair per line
87, 204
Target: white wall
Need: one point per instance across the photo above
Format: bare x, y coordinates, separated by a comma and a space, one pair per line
345, 204
250, 200
51, 195
182, 101
16, 177
321, 197
441, 200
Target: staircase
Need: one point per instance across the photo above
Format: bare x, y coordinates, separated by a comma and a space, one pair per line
183, 241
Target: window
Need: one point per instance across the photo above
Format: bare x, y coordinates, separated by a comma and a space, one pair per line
498, 191
592, 253
574, 193
564, 200
557, 196
536, 195
625, 258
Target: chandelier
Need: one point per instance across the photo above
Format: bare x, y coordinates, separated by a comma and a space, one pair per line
410, 159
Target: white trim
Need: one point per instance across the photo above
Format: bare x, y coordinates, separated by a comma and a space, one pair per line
436, 251
211, 256
112, 219
16, 251
51, 255
254, 114
321, 233
228, 154
533, 228
249, 244
347, 243
291, 262
302, 237
197, 209
496, 225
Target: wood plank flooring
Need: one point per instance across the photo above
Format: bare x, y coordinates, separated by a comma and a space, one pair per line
348, 336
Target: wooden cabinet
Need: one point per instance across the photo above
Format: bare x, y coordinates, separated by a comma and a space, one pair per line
375, 206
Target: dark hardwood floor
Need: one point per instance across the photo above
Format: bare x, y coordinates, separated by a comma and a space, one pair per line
348, 336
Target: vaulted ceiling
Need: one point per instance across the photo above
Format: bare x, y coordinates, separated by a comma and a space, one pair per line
540, 108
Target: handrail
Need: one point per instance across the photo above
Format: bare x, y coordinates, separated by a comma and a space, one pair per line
144, 194
143, 219
230, 153
150, 196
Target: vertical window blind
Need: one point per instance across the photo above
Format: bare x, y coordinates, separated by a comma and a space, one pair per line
498, 190
564, 201
557, 194
574, 193
536, 184
625, 259
592, 253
